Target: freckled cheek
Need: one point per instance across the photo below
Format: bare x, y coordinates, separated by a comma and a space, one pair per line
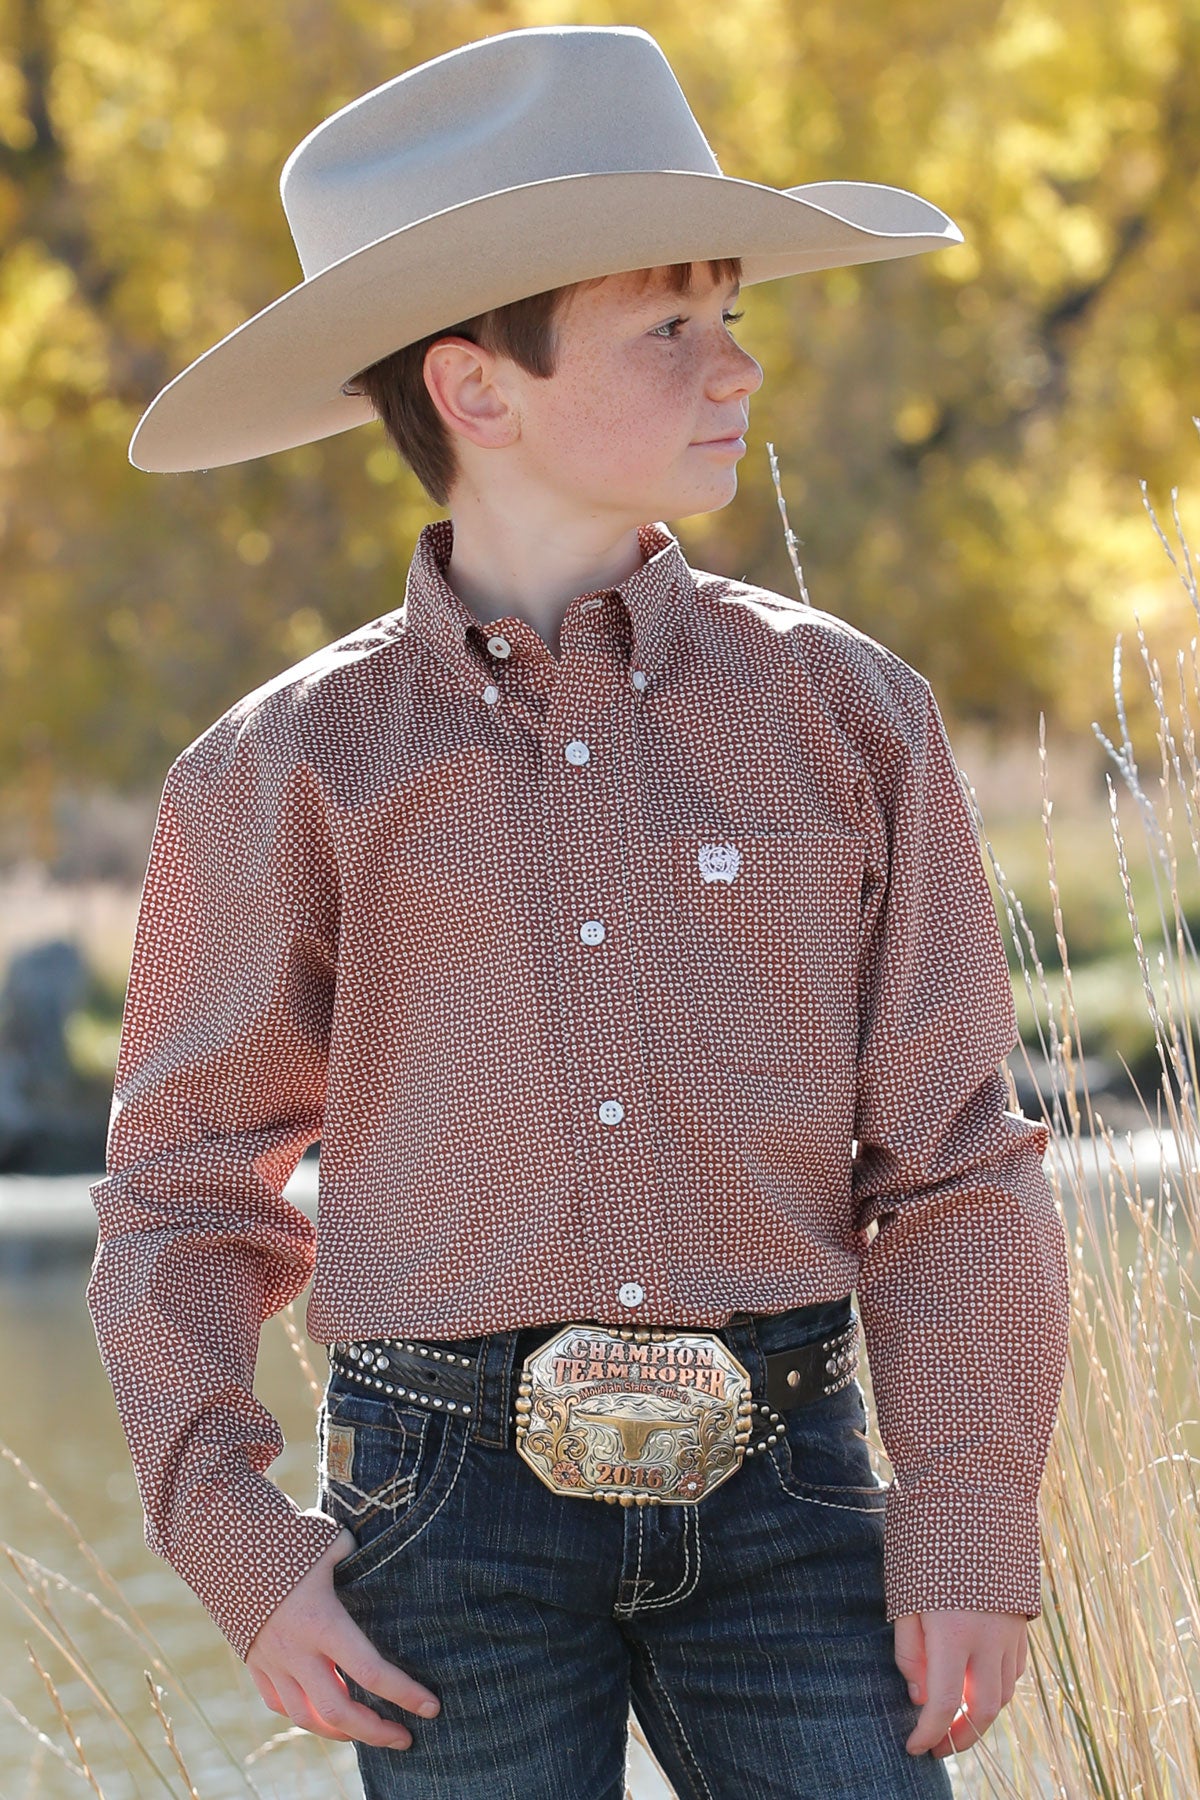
674, 402
564, 441
614, 436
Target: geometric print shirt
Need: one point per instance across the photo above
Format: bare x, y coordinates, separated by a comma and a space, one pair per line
646, 983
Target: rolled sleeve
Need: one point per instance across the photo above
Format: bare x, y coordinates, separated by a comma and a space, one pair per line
963, 1288
219, 1089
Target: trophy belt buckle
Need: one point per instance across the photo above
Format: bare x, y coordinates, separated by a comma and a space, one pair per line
635, 1416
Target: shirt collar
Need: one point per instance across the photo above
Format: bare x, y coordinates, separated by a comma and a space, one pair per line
654, 597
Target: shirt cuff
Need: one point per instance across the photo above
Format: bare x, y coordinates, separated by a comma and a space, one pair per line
245, 1552
953, 1546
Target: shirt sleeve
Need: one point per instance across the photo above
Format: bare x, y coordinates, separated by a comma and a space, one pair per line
219, 1089
964, 1288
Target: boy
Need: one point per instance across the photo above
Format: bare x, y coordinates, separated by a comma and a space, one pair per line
621, 932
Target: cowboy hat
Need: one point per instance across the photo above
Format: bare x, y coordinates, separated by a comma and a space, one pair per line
514, 164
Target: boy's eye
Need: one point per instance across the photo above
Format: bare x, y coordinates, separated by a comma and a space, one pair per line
668, 327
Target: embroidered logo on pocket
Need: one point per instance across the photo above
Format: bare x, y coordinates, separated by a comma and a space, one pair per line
339, 1452
718, 862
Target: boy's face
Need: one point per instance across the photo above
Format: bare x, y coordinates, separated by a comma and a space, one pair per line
645, 380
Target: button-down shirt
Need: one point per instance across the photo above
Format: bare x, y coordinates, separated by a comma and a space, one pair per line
648, 983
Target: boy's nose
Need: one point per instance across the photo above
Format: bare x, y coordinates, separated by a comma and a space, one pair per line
740, 375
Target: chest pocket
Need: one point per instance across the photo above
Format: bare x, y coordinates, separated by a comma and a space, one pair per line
771, 930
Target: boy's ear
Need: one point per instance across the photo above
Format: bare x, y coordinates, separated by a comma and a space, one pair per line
465, 384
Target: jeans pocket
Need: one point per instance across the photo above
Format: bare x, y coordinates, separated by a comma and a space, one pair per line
386, 1466
370, 1457
824, 1456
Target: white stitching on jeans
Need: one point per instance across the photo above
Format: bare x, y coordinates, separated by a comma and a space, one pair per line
684, 1588
627, 1610
687, 1581
808, 1500
396, 1548
683, 1737
637, 1579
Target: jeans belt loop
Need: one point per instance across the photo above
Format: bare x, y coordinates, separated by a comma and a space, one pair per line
495, 1400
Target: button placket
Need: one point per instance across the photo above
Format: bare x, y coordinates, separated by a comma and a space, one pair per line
602, 1017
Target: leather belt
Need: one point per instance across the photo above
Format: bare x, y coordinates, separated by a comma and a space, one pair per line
592, 1397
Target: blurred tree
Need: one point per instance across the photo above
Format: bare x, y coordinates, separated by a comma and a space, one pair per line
960, 435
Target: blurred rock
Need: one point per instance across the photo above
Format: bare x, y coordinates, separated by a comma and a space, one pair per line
50, 1118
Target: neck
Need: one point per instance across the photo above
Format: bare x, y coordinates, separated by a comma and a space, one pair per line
502, 564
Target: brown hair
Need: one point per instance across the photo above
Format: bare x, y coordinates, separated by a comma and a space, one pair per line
522, 331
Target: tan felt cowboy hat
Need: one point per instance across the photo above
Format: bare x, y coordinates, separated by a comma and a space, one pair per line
514, 164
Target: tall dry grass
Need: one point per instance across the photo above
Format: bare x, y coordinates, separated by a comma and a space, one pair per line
1110, 1701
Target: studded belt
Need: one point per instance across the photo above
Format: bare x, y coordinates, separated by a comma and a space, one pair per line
639, 1415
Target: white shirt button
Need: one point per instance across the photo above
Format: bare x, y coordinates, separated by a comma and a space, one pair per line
491, 693
611, 1112
631, 1293
592, 931
576, 751
499, 646
638, 679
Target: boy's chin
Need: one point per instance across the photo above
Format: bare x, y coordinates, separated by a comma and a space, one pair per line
694, 503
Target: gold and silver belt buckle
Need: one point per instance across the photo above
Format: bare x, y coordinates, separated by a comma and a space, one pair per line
639, 1416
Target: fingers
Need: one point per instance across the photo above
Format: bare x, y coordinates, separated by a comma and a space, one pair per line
363, 1663
938, 1728
982, 1704
311, 1692
944, 1674
330, 1700
299, 1710
910, 1652
318, 1702
267, 1689
964, 1693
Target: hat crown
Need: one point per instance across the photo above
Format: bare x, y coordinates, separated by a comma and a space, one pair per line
531, 105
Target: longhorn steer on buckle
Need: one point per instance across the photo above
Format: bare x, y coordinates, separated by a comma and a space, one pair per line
637, 1416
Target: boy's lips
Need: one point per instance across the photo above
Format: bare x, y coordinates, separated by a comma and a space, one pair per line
735, 437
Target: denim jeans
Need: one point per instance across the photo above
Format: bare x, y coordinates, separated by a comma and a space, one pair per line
747, 1630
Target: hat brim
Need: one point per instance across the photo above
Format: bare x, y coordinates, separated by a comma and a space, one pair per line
275, 381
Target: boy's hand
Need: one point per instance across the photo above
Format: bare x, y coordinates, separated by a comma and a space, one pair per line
293, 1653
957, 1658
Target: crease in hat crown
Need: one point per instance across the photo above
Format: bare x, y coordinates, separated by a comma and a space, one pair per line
503, 112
